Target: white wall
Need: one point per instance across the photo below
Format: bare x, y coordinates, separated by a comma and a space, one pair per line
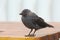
56, 10
49, 10
3, 10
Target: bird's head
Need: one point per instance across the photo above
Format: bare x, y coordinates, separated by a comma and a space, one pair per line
25, 12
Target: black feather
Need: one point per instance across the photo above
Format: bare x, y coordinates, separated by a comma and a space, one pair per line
32, 21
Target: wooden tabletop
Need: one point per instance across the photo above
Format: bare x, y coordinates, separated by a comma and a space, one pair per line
16, 30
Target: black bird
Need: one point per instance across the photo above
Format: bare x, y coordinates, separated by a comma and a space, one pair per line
32, 21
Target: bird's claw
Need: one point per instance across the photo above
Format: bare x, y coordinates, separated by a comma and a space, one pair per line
31, 35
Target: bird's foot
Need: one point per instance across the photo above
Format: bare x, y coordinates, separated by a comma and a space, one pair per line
31, 35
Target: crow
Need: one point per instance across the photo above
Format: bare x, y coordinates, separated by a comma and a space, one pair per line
32, 21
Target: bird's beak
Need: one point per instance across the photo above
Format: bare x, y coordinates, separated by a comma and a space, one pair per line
20, 14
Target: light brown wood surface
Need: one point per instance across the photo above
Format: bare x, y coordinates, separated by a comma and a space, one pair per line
19, 30
16, 31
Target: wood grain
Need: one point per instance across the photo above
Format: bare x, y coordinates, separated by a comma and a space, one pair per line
16, 31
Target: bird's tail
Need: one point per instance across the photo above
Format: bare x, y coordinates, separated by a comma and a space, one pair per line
50, 25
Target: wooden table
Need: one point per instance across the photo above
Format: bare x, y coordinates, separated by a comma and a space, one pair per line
18, 29
55, 36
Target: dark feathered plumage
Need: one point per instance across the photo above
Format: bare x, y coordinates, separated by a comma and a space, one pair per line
32, 21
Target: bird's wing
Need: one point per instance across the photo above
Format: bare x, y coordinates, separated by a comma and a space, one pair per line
36, 18
40, 22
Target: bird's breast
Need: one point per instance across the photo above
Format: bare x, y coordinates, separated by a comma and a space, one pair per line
27, 21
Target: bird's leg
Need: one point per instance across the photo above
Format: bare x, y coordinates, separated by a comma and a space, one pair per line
34, 32
29, 33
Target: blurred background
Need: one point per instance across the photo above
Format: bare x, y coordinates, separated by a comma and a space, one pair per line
49, 10
10, 20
